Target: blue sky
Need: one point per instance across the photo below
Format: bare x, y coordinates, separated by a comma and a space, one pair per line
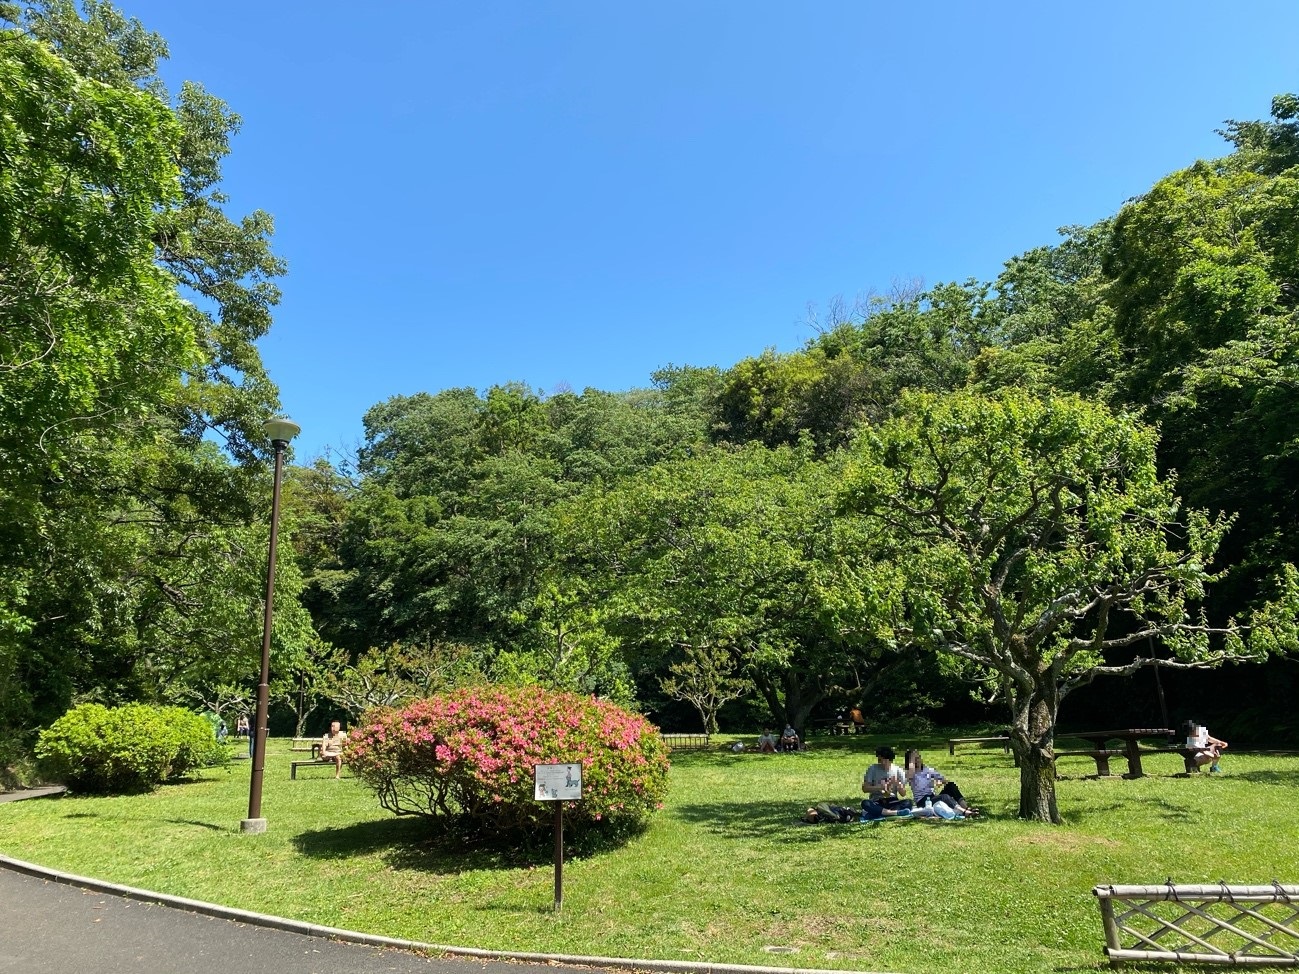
577, 193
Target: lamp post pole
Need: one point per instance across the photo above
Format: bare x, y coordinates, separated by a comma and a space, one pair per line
281, 430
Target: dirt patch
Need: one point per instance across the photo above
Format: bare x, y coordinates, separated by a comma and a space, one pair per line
1068, 841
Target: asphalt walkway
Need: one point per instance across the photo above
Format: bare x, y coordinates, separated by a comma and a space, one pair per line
53, 928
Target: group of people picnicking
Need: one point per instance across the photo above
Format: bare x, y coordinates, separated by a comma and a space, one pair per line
935, 798
886, 785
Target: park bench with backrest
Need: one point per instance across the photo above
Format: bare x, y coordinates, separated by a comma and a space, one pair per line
315, 761
1002, 739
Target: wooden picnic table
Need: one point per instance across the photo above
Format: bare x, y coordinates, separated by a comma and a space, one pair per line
1131, 738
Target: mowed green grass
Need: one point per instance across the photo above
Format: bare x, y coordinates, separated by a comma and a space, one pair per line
724, 872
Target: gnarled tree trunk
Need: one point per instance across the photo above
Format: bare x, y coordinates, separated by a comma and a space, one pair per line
1032, 737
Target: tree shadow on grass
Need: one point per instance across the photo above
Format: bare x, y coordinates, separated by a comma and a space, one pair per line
410, 842
1266, 777
403, 843
751, 820
757, 820
203, 825
1163, 807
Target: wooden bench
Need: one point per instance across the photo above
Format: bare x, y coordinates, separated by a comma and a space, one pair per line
316, 762
1001, 739
1101, 756
311, 744
687, 742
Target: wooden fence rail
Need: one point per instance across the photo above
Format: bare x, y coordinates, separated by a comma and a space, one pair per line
1206, 924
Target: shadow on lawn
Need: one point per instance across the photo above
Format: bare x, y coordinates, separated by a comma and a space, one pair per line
1268, 777
1166, 808
203, 825
405, 843
755, 820
751, 820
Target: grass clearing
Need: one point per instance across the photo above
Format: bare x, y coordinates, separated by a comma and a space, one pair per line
725, 870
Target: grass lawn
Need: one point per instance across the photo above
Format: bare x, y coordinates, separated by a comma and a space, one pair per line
724, 872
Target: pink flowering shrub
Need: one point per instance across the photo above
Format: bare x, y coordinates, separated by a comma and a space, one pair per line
465, 759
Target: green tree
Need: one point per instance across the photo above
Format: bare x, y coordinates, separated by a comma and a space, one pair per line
1203, 271
724, 551
1027, 539
394, 674
853, 372
127, 542
705, 677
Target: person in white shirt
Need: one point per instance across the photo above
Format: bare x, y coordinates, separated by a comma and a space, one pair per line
1207, 748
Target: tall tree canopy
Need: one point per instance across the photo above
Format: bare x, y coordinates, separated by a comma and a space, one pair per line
1028, 539
130, 547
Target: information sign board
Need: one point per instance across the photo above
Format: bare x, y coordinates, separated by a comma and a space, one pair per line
557, 782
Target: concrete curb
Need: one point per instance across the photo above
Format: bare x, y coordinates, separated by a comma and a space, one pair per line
372, 940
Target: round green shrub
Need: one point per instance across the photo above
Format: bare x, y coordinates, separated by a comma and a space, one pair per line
101, 750
198, 746
465, 759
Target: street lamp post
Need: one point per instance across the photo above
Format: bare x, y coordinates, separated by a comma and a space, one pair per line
281, 429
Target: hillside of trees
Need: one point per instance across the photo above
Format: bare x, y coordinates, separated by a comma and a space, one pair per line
961, 503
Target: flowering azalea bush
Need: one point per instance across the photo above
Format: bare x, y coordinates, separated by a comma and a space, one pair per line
467, 757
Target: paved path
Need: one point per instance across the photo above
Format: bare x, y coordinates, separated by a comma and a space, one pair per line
45, 791
52, 928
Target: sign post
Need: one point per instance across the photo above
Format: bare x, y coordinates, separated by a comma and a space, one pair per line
557, 783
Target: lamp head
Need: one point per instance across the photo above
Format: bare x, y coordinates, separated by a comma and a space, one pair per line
281, 429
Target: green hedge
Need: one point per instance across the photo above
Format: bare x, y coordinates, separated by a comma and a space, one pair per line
101, 750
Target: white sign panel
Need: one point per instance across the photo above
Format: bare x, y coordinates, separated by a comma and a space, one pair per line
557, 782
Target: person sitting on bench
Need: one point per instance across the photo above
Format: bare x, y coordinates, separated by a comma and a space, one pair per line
331, 747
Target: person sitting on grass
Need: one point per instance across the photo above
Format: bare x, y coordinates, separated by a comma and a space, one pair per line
922, 779
767, 742
884, 784
331, 747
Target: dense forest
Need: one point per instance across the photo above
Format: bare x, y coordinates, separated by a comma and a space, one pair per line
960, 503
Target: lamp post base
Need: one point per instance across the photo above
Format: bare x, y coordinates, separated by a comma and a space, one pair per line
253, 825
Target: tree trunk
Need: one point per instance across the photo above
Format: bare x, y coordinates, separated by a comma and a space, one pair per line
708, 715
1032, 737
791, 703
